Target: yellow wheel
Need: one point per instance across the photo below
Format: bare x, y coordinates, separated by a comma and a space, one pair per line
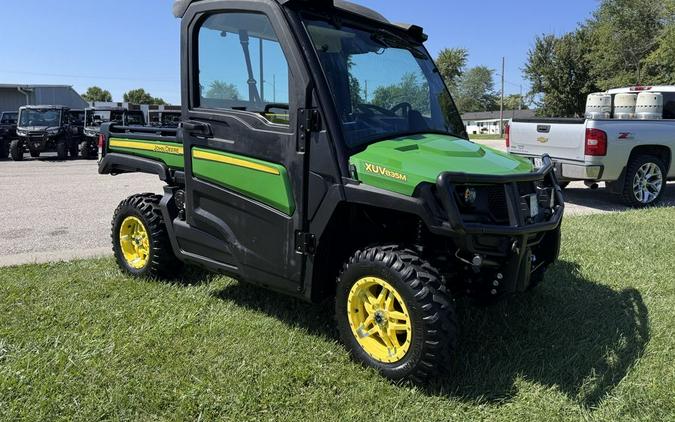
135, 242
394, 314
140, 240
379, 319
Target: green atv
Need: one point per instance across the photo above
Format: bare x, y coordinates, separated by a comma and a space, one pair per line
319, 143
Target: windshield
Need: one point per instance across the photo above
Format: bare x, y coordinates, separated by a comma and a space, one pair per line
96, 118
8, 119
40, 118
383, 85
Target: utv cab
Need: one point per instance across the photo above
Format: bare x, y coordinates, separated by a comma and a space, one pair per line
45, 128
96, 116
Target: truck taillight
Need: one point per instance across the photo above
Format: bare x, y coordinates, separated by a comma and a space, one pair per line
507, 135
101, 146
596, 143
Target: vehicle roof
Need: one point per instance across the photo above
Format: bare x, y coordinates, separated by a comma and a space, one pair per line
44, 107
9, 112
639, 88
180, 8
106, 109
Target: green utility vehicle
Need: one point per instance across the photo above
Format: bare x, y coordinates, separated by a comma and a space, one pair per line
319, 143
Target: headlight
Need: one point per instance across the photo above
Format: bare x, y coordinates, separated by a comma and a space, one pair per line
469, 196
53, 131
21, 133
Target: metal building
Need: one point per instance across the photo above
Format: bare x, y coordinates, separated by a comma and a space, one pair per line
14, 96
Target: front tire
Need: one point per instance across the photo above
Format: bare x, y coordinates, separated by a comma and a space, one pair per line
394, 314
16, 150
62, 150
140, 241
645, 182
4, 149
85, 150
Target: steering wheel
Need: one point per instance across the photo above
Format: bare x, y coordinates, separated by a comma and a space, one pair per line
404, 106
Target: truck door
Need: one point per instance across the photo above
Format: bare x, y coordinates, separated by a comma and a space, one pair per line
243, 89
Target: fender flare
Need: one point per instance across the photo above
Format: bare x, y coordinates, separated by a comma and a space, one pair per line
122, 163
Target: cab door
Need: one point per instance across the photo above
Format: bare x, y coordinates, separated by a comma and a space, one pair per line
243, 87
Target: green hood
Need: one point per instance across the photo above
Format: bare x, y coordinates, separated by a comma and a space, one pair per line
400, 165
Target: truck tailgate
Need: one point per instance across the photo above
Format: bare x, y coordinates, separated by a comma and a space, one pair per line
559, 138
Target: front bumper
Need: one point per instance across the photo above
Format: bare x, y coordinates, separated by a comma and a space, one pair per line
512, 244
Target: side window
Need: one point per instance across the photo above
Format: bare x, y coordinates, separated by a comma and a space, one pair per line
242, 66
669, 105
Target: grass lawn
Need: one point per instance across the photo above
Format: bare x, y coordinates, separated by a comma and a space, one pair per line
481, 137
78, 341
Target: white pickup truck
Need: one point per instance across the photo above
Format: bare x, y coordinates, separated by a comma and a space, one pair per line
631, 152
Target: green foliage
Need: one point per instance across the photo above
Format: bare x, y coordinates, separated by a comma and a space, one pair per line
476, 91
223, 91
560, 69
624, 33
81, 342
410, 90
451, 63
627, 42
516, 102
96, 93
140, 96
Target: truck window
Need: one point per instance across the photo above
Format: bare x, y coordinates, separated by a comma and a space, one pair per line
669, 105
242, 66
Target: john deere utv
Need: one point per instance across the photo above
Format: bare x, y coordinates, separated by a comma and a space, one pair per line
320, 154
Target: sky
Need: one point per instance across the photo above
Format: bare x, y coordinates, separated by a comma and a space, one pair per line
127, 44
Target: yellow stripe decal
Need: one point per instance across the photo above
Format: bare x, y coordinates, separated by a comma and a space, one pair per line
201, 155
147, 146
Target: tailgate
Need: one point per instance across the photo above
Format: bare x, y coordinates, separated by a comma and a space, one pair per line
559, 138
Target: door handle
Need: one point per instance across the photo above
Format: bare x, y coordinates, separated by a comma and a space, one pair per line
197, 128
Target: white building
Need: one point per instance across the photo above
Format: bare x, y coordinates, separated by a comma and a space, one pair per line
487, 122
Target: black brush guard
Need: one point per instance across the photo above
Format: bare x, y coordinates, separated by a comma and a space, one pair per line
516, 261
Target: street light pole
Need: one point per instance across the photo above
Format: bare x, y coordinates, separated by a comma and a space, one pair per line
501, 106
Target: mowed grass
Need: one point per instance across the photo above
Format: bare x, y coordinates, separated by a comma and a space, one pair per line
80, 341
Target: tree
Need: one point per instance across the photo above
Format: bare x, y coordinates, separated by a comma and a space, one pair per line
451, 63
660, 64
410, 90
96, 93
623, 34
516, 102
139, 96
560, 72
476, 90
223, 91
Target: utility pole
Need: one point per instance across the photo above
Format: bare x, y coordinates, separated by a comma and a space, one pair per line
501, 106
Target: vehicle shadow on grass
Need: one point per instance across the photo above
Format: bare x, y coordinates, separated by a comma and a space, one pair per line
570, 334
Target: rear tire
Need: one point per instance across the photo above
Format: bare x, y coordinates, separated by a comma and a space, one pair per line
148, 255
61, 150
410, 295
73, 150
16, 150
645, 182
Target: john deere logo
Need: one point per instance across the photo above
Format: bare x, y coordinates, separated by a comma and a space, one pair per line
542, 139
168, 149
383, 171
